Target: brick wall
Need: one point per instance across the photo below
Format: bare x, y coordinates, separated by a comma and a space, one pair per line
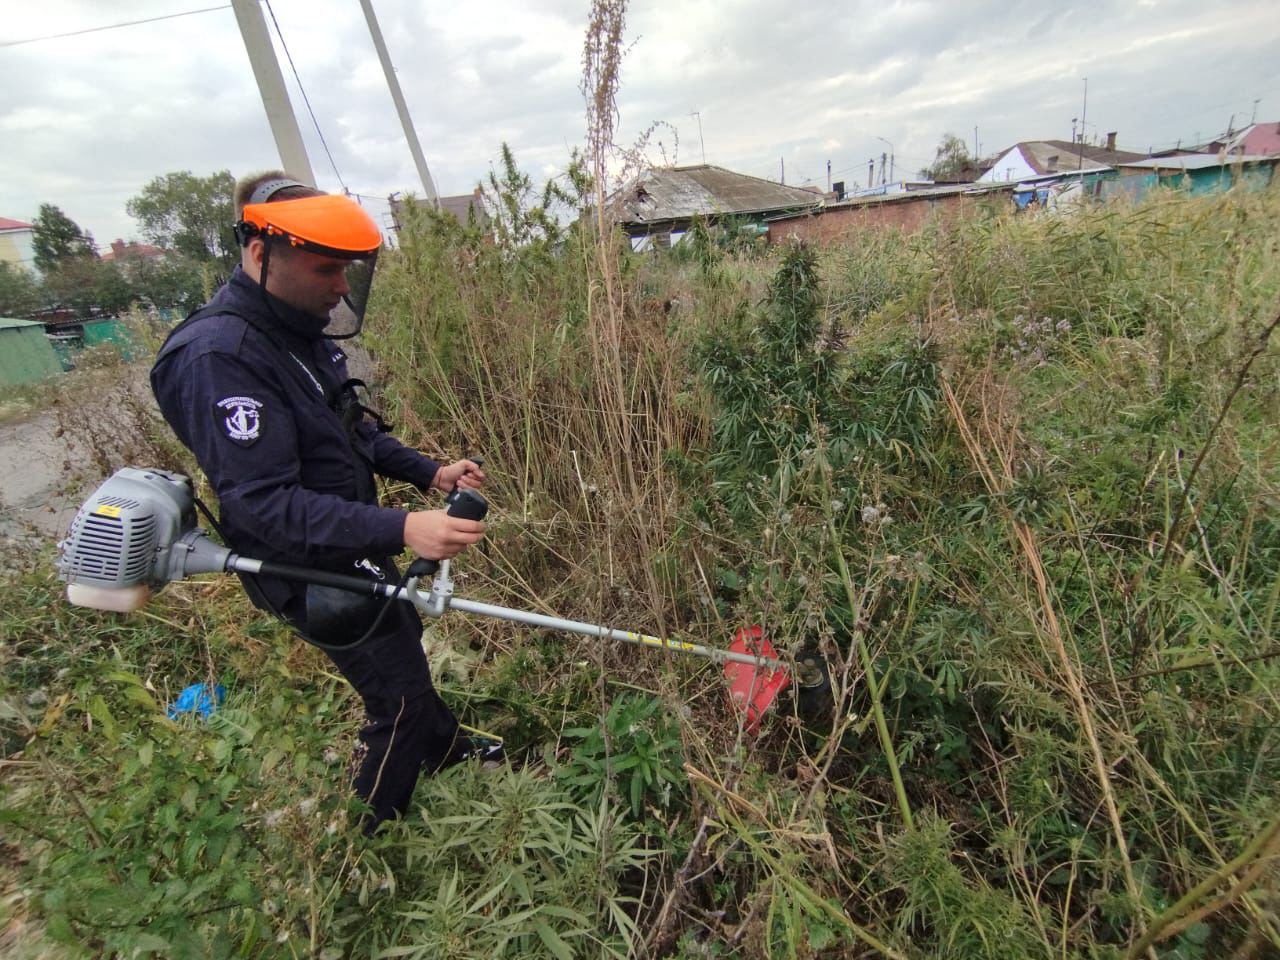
909, 214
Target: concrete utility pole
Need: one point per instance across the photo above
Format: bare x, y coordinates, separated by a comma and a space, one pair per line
702, 143
428, 185
275, 98
891, 179
1084, 111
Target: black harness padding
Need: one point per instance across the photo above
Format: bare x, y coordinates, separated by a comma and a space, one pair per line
333, 616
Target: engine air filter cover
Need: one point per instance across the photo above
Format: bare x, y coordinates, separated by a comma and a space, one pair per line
115, 539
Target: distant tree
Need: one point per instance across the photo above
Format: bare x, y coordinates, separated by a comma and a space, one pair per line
189, 214
55, 237
19, 291
176, 282
951, 160
87, 284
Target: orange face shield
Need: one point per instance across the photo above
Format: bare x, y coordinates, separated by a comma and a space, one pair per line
329, 225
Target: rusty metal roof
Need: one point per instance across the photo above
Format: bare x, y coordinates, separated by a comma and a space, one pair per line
662, 194
1062, 156
1197, 161
465, 205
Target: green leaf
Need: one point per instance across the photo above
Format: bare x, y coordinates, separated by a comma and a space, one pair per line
637, 786
272, 758
99, 710
553, 942
144, 942
567, 914
188, 797
820, 935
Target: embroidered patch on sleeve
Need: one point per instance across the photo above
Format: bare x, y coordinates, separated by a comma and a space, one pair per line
241, 418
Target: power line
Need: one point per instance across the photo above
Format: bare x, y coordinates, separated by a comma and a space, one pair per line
112, 26
305, 98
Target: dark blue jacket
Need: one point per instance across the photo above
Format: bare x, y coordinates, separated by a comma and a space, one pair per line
257, 416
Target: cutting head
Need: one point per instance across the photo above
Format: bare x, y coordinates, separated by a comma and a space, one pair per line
754, 689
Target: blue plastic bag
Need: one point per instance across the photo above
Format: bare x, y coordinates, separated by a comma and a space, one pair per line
199, 698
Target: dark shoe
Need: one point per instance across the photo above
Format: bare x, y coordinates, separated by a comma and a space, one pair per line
468, 747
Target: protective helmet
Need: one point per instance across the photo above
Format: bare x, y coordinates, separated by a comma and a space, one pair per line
330, 225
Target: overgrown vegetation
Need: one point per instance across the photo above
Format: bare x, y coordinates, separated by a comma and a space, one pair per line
1016, 479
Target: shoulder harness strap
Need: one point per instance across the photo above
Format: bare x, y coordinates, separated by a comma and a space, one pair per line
345, 401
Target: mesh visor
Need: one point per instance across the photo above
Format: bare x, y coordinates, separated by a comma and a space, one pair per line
346, 319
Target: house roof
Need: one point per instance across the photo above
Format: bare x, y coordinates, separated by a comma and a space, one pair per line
13, 323
7, 224
462, 205
1195, 161
132, 251
1257, 138
680, 193
1063, 156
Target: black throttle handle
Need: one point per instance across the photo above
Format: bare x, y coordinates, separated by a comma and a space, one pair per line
466, 504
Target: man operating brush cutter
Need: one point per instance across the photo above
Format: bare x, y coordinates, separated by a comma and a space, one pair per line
256, 386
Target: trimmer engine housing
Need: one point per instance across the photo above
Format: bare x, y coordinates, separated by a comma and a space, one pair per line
120, 543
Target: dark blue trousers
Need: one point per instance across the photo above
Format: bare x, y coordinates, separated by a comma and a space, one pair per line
409, 728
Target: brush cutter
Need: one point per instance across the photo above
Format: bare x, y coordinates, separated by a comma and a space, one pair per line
138, 531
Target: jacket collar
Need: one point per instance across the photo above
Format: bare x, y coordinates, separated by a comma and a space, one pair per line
248, 295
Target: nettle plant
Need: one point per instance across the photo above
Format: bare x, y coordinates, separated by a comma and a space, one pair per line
1036, 340
636, 750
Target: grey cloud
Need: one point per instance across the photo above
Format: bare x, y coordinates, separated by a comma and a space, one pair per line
771, 79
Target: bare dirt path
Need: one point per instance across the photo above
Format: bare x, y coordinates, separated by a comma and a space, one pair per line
34, 501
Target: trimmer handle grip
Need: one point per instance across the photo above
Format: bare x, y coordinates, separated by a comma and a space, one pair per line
466, 504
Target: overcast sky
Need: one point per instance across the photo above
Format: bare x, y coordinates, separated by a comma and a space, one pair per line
86, 121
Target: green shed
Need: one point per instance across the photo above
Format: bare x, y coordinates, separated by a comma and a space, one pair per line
110, 330
26, 355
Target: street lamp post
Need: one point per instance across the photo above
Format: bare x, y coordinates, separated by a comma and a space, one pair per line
883, 140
